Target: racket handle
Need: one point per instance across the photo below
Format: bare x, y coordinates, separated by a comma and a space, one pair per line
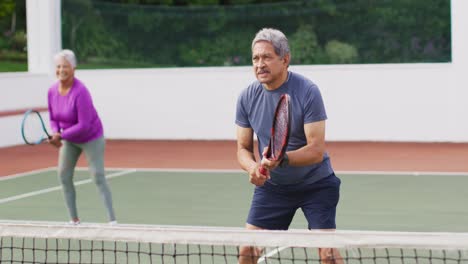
263, 170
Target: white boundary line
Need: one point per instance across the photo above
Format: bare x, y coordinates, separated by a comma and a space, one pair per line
172, 170
409, 173
275, 251
357, 173
384, 173
56, 188
28, 173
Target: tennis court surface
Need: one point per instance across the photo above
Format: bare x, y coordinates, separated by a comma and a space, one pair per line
196, 215
369, 201
217, 199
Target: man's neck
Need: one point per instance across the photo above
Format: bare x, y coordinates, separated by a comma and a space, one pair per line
277, 84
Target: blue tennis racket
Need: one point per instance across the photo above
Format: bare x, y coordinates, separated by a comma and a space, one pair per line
33, 129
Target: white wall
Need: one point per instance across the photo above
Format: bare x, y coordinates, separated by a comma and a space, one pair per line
373, 102
385, 102
22, 90
195, 103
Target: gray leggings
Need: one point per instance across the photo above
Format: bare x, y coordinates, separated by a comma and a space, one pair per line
68, 157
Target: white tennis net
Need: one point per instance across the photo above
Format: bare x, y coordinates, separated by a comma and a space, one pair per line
49, 242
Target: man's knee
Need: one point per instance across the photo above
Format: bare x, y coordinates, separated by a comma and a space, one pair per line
249, 255
330, 256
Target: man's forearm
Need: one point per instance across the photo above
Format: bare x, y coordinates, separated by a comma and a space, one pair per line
246, 159
305, 156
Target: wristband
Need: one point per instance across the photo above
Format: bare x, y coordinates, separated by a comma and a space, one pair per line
285, 161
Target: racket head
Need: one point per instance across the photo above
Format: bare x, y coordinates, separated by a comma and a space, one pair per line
33, 129
280, 129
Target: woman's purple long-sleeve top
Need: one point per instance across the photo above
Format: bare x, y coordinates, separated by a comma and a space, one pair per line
73, 114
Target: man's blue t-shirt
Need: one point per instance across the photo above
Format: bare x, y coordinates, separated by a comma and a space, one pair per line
255, 109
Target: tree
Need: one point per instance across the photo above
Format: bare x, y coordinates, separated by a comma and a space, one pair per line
7, 16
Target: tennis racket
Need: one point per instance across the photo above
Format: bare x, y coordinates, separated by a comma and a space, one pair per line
279, 131
33, 128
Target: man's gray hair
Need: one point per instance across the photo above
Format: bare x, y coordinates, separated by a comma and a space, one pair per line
67, 55
276, 38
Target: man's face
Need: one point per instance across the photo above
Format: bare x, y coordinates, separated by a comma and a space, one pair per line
269, 67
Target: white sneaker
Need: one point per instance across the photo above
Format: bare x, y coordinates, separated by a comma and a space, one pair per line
113, 222
74, 222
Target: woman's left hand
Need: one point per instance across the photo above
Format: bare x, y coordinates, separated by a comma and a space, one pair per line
56, 140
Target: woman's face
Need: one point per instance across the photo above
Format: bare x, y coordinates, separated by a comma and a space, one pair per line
63, 70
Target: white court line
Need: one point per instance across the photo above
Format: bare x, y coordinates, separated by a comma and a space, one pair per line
56, 188
172, 170
409, 173
271, 253
23, 174
357, 173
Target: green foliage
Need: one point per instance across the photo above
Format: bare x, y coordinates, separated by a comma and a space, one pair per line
84, 31
224, 51
305, 48
167, 33
170, 33
13, 56
19, 41
12, 66
203, 2
151, 2
339, 52
4, 43
395, 31
12, 61
237, 2
6, 8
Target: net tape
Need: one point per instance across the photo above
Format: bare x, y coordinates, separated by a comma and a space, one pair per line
98, 243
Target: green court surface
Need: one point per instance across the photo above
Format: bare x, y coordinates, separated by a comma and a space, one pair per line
385, 202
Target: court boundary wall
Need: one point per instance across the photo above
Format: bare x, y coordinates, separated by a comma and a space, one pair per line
367, 102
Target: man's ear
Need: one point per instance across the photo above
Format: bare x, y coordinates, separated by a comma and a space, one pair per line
287, 59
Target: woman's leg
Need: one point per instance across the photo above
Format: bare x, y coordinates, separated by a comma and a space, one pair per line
94, 151
68, 156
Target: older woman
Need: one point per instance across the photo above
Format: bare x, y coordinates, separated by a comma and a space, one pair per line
76, 128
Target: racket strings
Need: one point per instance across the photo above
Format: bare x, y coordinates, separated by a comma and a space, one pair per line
33, 131
281, 126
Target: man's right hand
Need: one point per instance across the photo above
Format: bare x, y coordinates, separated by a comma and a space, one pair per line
256, 177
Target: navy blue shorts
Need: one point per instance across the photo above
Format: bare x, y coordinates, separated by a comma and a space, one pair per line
273, 206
